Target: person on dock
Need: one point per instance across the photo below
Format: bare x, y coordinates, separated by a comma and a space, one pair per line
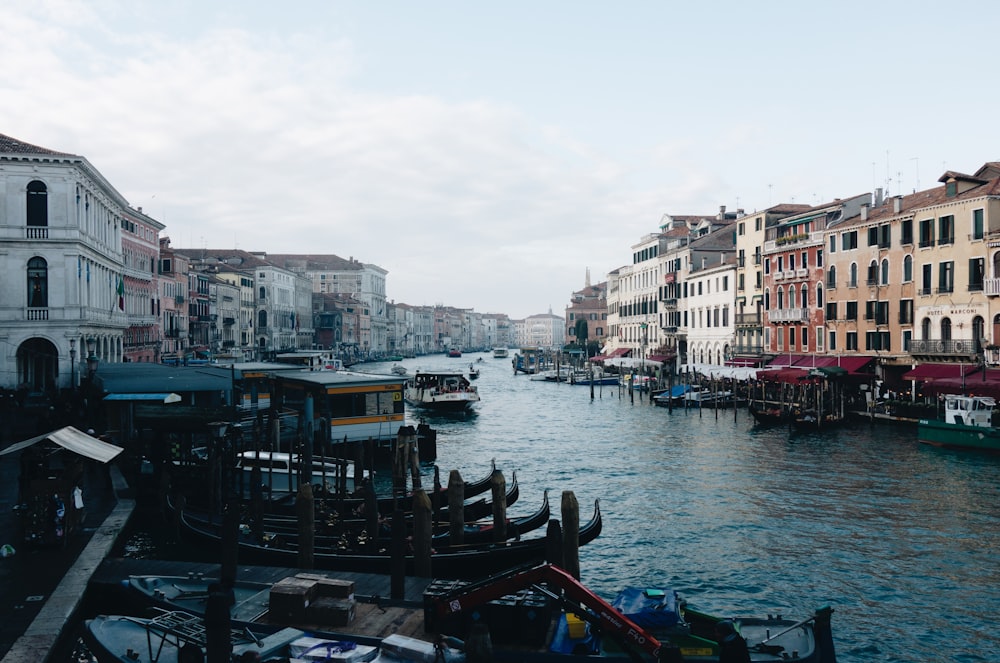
732, 646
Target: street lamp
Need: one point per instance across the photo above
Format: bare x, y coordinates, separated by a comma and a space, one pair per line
92, 359
72, 364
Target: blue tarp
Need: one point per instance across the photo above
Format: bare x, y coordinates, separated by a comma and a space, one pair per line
651, 609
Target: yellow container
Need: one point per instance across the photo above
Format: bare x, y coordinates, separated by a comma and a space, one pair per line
577, 627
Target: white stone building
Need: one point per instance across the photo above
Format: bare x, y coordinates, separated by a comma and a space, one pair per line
62, 268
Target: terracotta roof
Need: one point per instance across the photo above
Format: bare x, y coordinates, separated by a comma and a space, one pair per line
10, 145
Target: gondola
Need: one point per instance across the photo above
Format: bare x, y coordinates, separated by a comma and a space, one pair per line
767, 414
330, 514
466, 561
335, 534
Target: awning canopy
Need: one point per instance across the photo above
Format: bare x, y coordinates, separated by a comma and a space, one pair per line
660, 358
786, 375
925, 372
743, 361
787, 360
614, 354
74, 440
161, 397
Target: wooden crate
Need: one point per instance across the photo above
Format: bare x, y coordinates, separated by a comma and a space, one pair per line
327, 611
329, 587
290, 597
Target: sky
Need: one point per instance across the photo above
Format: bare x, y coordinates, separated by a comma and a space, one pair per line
487, 155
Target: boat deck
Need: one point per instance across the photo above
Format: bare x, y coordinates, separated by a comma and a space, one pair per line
377, 615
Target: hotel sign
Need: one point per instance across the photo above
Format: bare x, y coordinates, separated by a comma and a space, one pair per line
973, 310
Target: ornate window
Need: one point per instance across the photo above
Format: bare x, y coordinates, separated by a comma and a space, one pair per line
38, 204
38, 283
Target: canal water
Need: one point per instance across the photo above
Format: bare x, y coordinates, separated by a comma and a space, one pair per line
899, 538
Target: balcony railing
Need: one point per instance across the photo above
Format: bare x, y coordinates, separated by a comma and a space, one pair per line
36, 232
992, 287
37, 314
801, 272
748, 319
939, 346
788, 315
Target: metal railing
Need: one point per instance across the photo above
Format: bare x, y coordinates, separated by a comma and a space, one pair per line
941, 346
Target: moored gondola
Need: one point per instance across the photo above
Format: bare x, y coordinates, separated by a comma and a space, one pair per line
457, 562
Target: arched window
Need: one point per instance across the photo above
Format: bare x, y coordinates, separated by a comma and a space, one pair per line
884, 276
925, 328
907, 269
262, 320
781, 299
978, 333
767, 300
38, 283
831, 277
819, 295
804, 294
38, 204
853, 282
872, 273
945, 329
791, 296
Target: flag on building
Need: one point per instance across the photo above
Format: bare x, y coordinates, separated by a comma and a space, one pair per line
121, 293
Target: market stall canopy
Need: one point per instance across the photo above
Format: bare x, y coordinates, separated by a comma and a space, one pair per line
925, 372
75, 440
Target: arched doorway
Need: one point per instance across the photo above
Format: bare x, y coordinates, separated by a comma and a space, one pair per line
38, 365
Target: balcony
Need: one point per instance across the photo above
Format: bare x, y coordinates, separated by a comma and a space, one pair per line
748, 320
788, 315
37, 314
670, 304
945, 347
228, 321
991, 287
801, 272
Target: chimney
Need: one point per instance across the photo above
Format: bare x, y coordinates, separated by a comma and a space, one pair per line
722, 212
140, 209
897, 204
864, 211
878, 196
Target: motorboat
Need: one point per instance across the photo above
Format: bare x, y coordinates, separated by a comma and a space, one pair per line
447, 391
280, 472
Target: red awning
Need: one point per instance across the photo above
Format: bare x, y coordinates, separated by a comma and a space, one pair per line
785, 360
787, 375
925, 372
854, 364
620, 352
661, 358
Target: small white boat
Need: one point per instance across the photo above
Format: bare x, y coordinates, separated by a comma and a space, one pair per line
280, 471
500, 353
398, 369
446, 391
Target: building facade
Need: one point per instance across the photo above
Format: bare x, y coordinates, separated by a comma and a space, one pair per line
61, 233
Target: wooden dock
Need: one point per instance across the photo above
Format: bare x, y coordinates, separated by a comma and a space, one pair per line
377, 614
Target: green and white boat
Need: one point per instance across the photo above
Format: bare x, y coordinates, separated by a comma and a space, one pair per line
967, 424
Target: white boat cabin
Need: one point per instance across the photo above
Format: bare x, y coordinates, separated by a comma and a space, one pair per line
281, 472
969, 410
